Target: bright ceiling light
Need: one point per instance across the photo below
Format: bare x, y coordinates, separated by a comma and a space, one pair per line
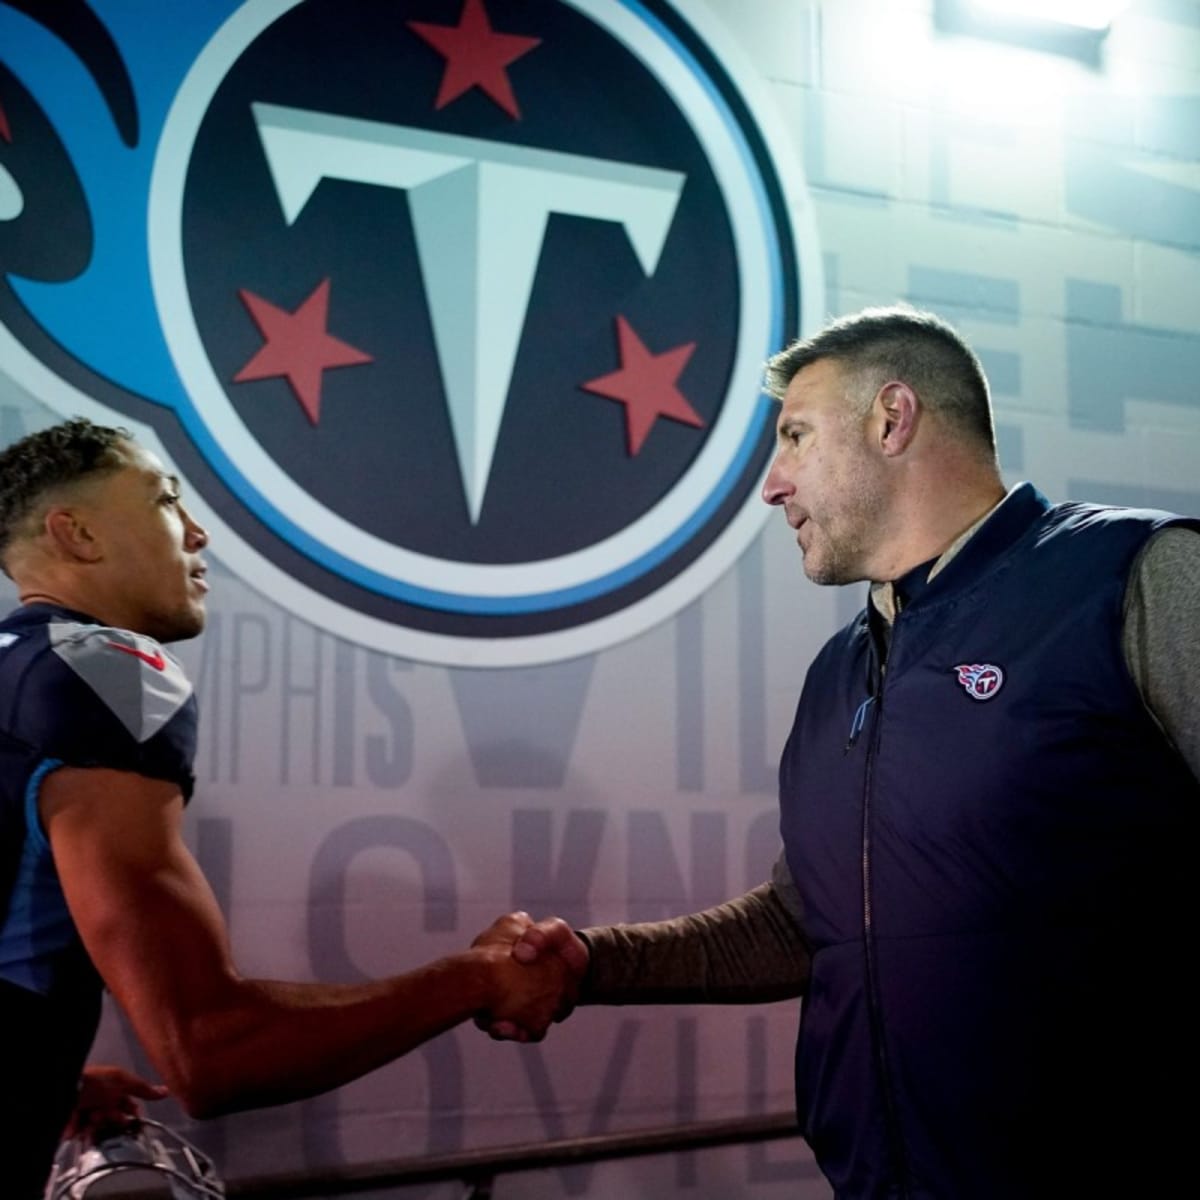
1079, 14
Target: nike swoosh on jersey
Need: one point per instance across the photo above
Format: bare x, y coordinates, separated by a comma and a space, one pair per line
156, 660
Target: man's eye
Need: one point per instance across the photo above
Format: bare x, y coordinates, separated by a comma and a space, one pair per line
169, 498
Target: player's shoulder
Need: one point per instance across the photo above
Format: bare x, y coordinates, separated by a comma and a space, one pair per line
118, 650
132, 675
75, 670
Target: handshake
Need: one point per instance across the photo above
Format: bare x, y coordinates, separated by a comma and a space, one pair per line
534, 973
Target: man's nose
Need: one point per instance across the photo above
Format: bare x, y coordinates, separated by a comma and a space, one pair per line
196, 535
776, 487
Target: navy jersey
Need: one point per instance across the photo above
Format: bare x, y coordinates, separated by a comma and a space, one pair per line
72, 693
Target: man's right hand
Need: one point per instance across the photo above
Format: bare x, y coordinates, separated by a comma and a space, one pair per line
537, 944
553, 935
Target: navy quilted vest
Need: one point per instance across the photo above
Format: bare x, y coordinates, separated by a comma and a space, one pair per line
996, 873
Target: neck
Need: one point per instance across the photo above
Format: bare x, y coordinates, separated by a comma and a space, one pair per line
935, 517
49, 587
37, 597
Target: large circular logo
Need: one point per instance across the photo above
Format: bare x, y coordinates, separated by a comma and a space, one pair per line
465, 305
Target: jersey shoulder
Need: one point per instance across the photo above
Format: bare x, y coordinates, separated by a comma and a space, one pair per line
94, 694
129, 674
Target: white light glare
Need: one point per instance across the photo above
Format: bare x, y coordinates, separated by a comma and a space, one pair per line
1083, 14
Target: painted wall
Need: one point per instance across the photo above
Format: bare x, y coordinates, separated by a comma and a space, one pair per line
361, 811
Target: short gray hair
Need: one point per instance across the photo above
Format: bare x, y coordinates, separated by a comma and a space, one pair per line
907, 344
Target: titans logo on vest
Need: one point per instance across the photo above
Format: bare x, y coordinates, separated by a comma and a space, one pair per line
980, 682
450, 312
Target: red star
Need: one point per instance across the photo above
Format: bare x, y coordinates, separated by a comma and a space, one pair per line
645, 384
475, 56
5, 132
297, 346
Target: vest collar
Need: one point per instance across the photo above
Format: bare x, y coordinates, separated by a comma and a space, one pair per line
975, 547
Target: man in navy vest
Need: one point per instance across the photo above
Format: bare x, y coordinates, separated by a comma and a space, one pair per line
988, 805
97, 888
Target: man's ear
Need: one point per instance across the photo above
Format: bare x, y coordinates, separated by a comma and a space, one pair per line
71, 535
899, 411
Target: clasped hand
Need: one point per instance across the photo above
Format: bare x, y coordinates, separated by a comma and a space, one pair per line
539, 968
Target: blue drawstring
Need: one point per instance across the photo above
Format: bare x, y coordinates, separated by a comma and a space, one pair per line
860, 720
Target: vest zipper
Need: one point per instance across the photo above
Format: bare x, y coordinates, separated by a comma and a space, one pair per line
857, 725
876, 669
891, 1119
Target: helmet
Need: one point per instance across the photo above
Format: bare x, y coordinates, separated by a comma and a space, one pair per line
139, 1152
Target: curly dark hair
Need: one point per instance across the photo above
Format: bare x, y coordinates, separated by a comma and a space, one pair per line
62, 454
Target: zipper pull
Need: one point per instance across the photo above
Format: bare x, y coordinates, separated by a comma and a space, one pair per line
860, 720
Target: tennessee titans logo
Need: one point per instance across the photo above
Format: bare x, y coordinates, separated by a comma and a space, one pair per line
980, 682
452, 312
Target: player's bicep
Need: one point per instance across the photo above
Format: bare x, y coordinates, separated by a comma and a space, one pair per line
142, 907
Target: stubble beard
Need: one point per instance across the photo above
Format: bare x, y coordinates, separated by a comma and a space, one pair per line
841, 551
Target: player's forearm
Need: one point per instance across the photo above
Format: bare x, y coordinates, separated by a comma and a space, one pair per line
261, 1042
252, 1043
221, 1041
749, 950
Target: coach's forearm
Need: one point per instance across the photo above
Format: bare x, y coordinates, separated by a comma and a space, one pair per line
749, 950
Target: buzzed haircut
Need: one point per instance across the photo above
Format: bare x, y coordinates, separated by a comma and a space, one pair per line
51, 458
906, 344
